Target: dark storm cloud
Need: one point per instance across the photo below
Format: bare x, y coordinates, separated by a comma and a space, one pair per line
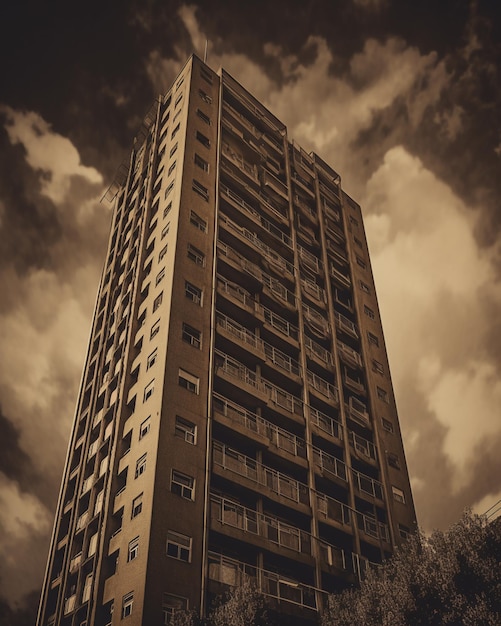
14, 462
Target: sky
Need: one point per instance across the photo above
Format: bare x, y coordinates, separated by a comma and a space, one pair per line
402, 98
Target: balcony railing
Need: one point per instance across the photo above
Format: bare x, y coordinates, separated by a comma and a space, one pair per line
332, 509
313, 290
330, 464
345, 324
277, 482
279, 323
368, 485
357, 411
349, 353
234, 573
342, 279
236, 158
322, 386
280, 437
309, 260
249, 268
372, 527
279, 290
363, 446
328, 424
282, 360
235, 291
316, 321
235, 369
240, 332
283, 399
314, 348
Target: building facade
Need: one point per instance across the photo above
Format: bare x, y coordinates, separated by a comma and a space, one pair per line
236, 417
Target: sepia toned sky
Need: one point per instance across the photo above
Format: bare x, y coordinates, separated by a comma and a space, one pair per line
402, 98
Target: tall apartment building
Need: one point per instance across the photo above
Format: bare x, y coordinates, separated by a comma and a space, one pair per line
236, 417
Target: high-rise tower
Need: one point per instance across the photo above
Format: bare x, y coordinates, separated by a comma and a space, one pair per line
236, 416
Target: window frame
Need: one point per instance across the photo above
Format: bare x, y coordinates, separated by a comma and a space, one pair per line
192, 381
140, 466
127, 604
133, 549
179, 541
185, 430
144, 427
137, 506
186, 489
193, 293
191, 335
198, 222
195, 255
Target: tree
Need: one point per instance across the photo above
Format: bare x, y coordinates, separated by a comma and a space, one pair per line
451, 577
241, 606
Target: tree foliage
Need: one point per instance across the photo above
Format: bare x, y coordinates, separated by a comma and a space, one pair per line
451, 577
242, 606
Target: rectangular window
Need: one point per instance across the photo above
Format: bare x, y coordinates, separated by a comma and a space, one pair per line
178, 113
404, 531
148, 390
127, 601
175, 131
178, 100
182, 485
150, 362
157, 301
133, 551
171, 168
207, 76
369, 312
179, 83
198, 222
353, 220
169, 189
160, 276
178, 546
372, 339
393, 460
361, 263
98, 505
137, 505
140, 466
92, 545
377, 366
165, 231
201, 163
185, 430
195, 255
205, 97
144, 428
167, 209
192, 336
364, 287
357, 242
387, 425
188, 381
170, 605
198, 188
87, 588
398, 494
173, 150
205, 141
205, 118
193, 293
155, 329
382, 395
162, 253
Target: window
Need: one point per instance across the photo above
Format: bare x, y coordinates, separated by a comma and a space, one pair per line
173, 150
167, 209
133, 551
198, 222
175, 131
393, 460
357, 242
382, 395
182, 485
151, 360
205, 118
178, 113
369, 312
155, 329
353, 220
195, 255
157, 301
361, 263
372, 339
404, 531
127, 602
206, 75
205, 141
160, 276
87, 588
144, 429
171, 604
387, 425
201, 163
165, 230
162, 253
92, 545
140, 466
169, 189
188, 381
205, 97
178, 100
171, 168
178, 546
137, 505
98, 505
377, 366
200, 189
192, 336
148, 390
398, 494
179, 83
185, 430
193, 293
364, 287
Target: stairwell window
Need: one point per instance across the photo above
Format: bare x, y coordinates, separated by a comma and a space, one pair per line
185, 430
157, 302
182, 485
205, 141
382, 394
195, 255
188, 381
137, 505
199, 189
148, 390
206, 75
140, 466
179, 546
205, 118
201, 163
193, 293
127, 602
387, 425
198, 222
369, 312
377, 366
372, 339
192, 336
398, 494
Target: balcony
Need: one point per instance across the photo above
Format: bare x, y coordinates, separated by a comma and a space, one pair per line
317, 352
242, 335
281, 399
69, 604
357, 411
278, 292
305, 209
236, 293
239, 375
346, 325
322, 387
330, 509
278, 323
282, 361
348, 354
328, 464
230, 513
239, 261
75, 562
354, 384
271, 181
311, 289
367, 485
234, 573
82, 521
316, 322
337, 252
326, 424
363, 447
309, 260
260, 475
304, 184
342, 280
249, 169
369, 525
256, 425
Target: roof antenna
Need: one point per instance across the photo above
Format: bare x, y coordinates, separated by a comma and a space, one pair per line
205, 53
